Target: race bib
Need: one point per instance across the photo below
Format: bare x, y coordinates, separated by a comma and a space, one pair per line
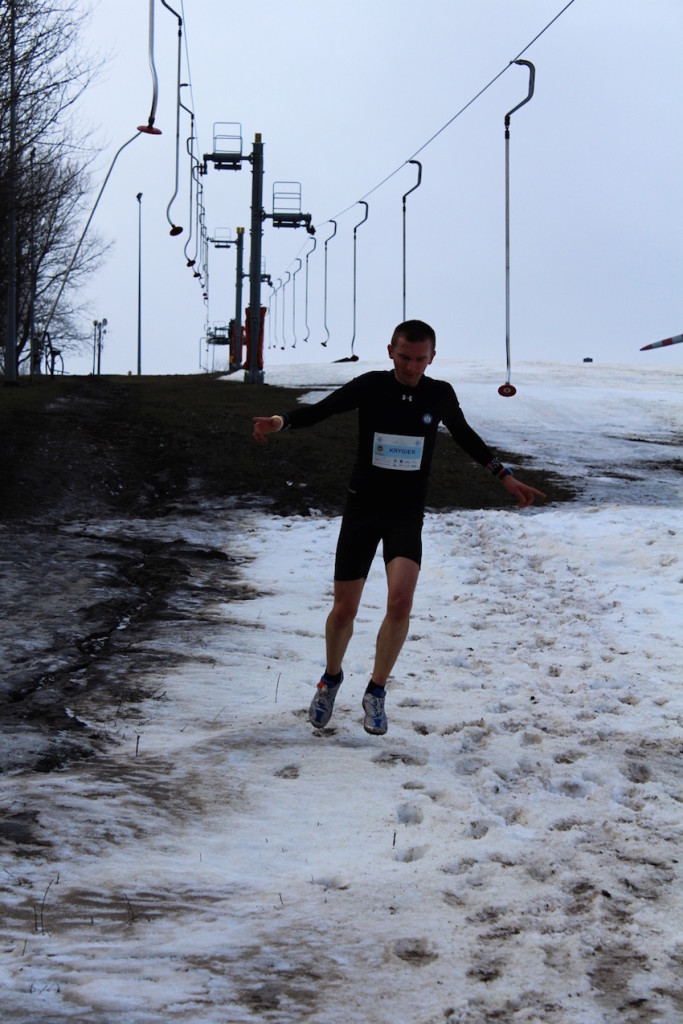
396, 451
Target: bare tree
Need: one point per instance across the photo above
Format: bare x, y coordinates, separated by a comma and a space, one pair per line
44, 180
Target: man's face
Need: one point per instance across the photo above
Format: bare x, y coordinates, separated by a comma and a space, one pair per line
410, 359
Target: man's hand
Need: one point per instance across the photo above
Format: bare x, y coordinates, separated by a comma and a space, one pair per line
523, 494
266, 425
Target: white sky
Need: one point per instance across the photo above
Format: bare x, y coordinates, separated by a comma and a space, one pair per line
343, 95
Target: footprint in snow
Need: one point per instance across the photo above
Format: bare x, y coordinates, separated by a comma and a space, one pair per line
409, 814
418, 952
411, 854
389, 758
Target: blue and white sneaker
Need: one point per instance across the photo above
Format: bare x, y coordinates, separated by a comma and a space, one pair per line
375, 716
322, 705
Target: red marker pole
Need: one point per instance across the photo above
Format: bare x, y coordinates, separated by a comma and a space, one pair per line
676, 340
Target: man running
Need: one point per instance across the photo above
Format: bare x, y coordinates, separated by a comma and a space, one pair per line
399, 413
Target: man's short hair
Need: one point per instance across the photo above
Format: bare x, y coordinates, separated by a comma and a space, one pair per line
414, 330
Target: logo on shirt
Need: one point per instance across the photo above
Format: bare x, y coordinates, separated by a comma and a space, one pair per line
427, 418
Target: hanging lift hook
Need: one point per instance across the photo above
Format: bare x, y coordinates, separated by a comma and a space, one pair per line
310, 251
270, 317
284, 286
275, 301
189, 146
532, 81
361, 202
416, 185
329, 239
198, 206
507, 390
175, 228
300, 262
149, 128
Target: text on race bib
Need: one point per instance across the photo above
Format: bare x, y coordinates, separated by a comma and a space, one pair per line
397, 451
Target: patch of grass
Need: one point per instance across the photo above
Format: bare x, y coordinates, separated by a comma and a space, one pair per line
78, 445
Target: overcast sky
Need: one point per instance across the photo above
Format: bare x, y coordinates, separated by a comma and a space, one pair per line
343, 95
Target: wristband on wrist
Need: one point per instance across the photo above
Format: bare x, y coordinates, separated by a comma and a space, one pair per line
497, 468
285, 421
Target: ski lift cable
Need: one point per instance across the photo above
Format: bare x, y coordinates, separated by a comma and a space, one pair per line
194, 136
448, 123
457, 114
195, 193
187, 63
83, 234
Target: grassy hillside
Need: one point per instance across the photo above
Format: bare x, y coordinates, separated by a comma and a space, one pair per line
142, 444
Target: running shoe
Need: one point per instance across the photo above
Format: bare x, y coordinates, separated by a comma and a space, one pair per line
322, 705
375, 717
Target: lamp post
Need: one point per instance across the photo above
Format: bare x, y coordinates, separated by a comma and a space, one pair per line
99, 328
139, 199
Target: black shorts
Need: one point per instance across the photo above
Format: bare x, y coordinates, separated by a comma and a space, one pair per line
364, 525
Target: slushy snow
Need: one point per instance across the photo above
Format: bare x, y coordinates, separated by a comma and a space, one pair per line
509, 851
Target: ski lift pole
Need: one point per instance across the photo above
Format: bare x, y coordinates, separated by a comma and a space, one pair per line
367, 209
419, 180
254, 374
507, 389
239, 282
328, 239
308, 330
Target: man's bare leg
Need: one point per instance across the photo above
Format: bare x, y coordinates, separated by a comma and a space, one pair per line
339, 625
402, 575
338, 632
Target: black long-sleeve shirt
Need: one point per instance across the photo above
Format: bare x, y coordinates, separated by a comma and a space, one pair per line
397, 429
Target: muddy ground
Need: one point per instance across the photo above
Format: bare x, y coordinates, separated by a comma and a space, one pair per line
117, 450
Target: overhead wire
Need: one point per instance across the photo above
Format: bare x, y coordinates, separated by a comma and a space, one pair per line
448, 123
199, 262
332, 220
189, 69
